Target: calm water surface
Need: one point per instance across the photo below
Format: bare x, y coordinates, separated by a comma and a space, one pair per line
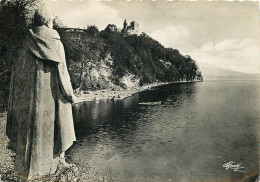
189, 137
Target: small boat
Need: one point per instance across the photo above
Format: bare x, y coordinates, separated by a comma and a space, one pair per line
151, 103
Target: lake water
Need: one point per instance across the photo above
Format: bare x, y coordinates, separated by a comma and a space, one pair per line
197, 129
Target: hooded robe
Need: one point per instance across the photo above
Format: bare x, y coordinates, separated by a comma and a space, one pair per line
39, 121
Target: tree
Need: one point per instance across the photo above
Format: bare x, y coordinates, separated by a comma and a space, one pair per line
15, 19
92, 30
57, 23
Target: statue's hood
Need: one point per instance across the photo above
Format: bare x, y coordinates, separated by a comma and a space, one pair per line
42, 42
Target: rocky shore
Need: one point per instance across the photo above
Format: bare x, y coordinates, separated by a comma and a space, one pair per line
6, 155
86, 96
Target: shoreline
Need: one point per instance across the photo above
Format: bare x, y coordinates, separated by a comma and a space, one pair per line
109, 94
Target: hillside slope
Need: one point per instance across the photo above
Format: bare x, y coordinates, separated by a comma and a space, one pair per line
110, 60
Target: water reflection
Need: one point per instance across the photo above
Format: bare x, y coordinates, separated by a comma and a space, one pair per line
90, 116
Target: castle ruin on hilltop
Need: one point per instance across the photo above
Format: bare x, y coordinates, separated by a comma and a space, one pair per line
131, 29
78, 33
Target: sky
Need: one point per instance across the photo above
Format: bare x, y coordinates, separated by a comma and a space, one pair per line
225, 34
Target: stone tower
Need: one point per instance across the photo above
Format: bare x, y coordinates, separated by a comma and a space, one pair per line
133, 28
125, 25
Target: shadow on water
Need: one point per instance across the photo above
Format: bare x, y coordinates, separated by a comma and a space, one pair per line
89, 117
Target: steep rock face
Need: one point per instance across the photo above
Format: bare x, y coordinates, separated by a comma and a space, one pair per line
112, 60
88, 62
130, 81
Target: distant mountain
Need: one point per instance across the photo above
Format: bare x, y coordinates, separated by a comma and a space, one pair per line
210, 72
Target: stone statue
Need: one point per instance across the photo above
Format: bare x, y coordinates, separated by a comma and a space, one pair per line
40, 124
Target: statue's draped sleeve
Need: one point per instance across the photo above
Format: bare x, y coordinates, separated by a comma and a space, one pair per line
64, 77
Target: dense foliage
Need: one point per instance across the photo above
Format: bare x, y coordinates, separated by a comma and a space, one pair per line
141, 56
82, 56
148, 59
92, 30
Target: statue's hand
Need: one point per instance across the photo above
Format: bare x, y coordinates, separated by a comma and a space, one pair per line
74, 99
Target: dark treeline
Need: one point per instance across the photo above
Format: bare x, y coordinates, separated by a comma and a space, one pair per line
15, 20
148, 59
